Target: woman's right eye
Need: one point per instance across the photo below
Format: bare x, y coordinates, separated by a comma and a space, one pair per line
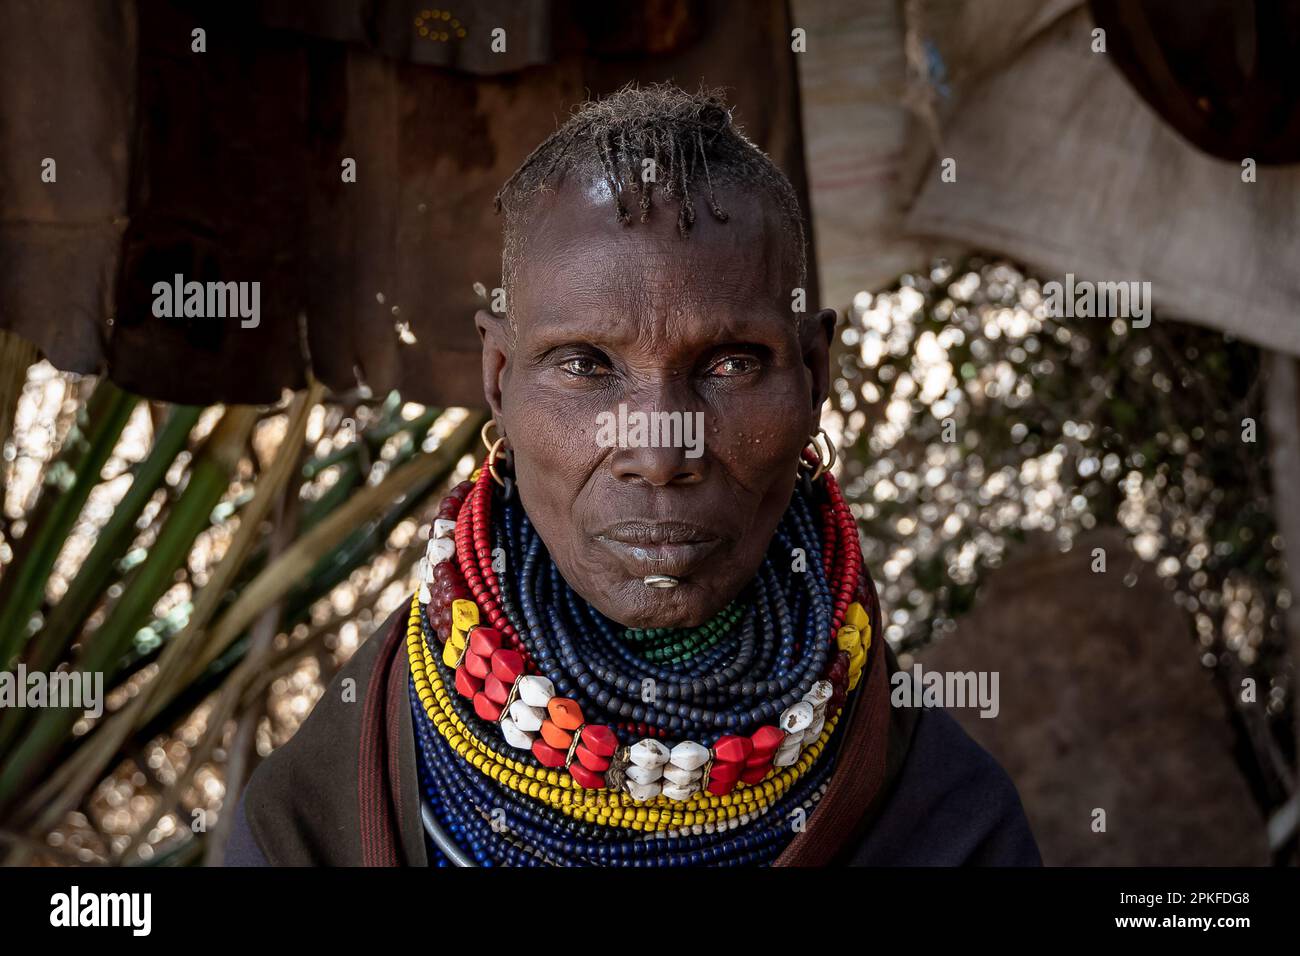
581, 366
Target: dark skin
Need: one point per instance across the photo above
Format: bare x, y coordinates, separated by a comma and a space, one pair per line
606, 314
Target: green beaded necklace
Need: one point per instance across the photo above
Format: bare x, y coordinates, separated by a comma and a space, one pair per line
672, 645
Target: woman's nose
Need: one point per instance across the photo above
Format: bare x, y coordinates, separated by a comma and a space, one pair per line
655, 446
657, 466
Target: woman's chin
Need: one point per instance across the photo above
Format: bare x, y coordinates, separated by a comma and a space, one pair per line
635, 604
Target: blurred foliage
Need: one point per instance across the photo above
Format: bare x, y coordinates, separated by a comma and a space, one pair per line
216, 566
971, 418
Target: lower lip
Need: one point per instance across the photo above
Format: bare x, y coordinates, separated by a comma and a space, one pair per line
677, 560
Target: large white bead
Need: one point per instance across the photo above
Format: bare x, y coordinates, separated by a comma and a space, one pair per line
642, 791
424, 571
536, 690
440, 550
787, 754
688, 755
527, 717
648, 753
819, 693
514, 736
444, 528
640, 774
676, 791
815, 729
426, 596
797, 717
675, 774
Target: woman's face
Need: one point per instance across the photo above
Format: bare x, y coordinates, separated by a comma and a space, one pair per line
620, 324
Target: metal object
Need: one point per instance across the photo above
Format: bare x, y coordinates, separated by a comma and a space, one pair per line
441, 839
660, 581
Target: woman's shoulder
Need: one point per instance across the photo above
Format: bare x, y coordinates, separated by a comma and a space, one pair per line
951, 804
301, 804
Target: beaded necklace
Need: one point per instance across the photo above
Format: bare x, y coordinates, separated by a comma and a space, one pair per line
549, 735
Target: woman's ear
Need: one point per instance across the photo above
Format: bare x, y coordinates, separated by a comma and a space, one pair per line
492, 330
815, 337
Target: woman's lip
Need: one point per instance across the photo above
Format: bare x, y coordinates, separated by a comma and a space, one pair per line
677, 559
653, 533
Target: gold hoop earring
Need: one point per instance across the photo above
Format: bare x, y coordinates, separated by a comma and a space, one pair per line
493, 450
823, 450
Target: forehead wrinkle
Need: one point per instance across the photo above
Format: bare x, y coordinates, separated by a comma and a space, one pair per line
638, 283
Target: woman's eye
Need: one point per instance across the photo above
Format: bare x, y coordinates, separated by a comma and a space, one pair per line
735, 365
581, 366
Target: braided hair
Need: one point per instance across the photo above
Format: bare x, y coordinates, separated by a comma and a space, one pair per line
693, 145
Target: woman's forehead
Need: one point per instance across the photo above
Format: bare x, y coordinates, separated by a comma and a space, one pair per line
577, 257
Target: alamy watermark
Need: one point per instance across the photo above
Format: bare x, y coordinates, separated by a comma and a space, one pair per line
651, 430
1080, 298
75, 690
75, 908
179, 299
954, 689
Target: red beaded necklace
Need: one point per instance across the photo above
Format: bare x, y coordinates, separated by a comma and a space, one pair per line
471, 576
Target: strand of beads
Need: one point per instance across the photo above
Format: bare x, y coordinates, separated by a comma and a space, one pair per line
499, 826
767, 673
674, 645
465, 734
770, 667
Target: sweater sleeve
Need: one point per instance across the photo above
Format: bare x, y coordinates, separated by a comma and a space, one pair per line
952, 805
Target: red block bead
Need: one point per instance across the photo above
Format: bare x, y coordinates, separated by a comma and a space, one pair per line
753, 775
586, 778
496, 691
507, 665
733, 749
719, 788
600, 739
485, 708
725, 772
484, 640
766, 740
590, 760
467, 683
476, 664
547, 755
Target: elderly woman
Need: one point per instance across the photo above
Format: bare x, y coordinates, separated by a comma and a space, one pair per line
645, 635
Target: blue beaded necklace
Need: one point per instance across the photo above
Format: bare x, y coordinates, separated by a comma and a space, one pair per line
753, 670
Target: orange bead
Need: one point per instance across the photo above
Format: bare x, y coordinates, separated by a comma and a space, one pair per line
565, 712
556, 737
